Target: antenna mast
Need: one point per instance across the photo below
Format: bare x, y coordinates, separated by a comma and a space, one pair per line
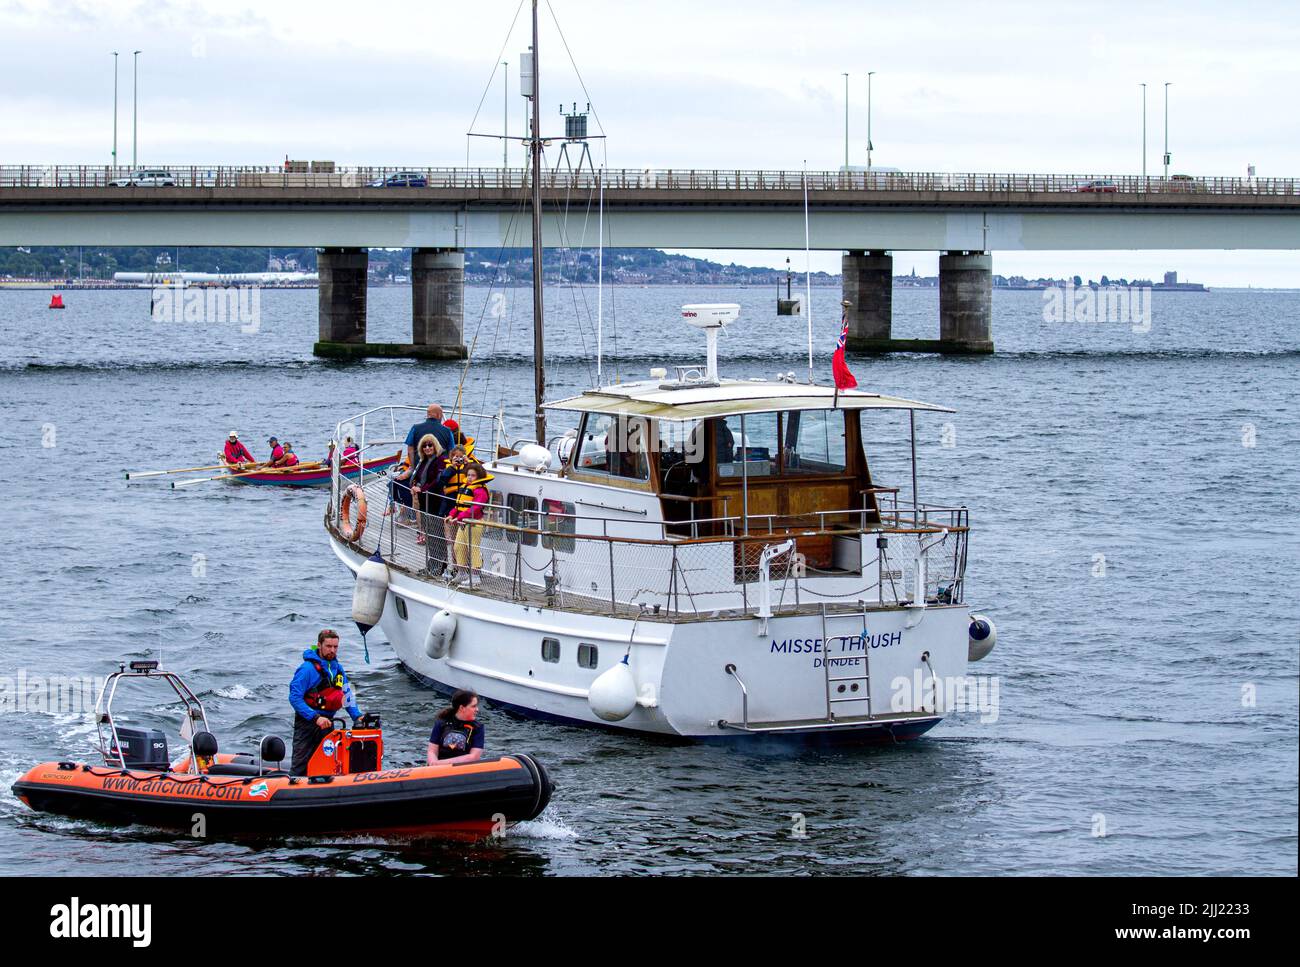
539, 351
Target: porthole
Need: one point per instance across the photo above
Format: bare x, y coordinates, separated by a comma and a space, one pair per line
400, 603
550, 649
588, 656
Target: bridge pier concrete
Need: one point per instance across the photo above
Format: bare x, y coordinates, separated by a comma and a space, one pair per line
966, 302
868, 284
438, 302
437, 306
342, 295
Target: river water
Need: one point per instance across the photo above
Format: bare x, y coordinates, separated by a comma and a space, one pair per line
1133, 495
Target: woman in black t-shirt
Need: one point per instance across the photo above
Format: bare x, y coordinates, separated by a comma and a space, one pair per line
457, 733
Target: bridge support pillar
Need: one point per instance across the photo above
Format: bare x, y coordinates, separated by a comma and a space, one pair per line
342, 295
868, 283
965, 302
438, 302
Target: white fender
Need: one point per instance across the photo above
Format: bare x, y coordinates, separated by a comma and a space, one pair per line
983, 636
442, 628
612, 695
370, 593
533, 456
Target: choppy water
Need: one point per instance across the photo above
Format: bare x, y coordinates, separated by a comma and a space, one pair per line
1121, 694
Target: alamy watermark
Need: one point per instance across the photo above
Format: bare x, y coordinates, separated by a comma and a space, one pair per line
1101, 304
951, 693
240, 304
53, 694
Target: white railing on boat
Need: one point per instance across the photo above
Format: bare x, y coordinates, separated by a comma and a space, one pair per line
572, 562
381, 429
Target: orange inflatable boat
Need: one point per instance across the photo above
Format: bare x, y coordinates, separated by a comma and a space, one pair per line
347, 789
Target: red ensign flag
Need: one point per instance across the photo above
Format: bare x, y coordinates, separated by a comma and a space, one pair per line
843, 378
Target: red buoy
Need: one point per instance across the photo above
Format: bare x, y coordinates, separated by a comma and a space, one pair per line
56, 301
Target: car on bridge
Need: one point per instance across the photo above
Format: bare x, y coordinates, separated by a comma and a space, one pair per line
1102, 186
402, 179
1184, 183
146, 178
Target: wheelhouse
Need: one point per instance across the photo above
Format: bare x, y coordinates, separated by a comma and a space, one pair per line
735, 457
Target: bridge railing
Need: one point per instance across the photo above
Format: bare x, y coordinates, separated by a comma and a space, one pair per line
325, 175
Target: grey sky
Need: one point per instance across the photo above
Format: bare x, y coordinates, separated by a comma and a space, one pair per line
958, 87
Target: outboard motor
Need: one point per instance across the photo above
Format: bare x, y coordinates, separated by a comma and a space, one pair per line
141, 749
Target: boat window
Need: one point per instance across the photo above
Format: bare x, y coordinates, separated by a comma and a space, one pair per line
565, 437
681, 454
550, 650
814, 442
558, 519
753, 452
400, 604
522, 512
614, 445
592, 456
494, 515
588, 656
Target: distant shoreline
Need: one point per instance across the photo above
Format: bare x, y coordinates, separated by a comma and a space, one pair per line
92, 286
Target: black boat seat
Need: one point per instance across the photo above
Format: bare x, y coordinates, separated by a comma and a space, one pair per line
248, 767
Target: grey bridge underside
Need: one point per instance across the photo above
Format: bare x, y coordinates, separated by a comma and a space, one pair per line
436, 218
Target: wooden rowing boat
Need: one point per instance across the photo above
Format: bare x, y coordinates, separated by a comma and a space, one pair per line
310, 475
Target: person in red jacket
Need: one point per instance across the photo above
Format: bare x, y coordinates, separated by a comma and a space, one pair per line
351, 455
235, 452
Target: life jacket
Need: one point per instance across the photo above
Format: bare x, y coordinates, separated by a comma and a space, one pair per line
327, 696
290, 459
457, 481
277, 453
350, 456
454, 749
465, 500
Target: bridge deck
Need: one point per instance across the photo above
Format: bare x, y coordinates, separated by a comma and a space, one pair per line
459, 208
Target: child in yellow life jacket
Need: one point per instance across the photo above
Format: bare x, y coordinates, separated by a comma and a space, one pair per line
452, 479
464, 521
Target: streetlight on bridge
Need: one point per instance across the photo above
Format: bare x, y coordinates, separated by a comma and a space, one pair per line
135, 110
1144, 135
114, 109
1167, 83
846, 120
869, 145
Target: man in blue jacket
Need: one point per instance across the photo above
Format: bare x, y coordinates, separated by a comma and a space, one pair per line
319, 688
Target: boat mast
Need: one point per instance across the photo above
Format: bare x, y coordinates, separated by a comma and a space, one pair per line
539, 352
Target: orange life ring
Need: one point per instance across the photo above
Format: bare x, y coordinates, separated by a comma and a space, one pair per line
350, 533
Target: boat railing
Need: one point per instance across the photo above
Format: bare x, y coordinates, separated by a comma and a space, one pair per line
545, 559
379, 430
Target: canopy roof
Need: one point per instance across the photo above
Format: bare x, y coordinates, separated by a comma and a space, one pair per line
731, 397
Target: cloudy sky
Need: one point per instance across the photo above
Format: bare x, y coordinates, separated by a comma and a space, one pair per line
1011, 87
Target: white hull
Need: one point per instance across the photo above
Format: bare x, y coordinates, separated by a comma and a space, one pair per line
881, 688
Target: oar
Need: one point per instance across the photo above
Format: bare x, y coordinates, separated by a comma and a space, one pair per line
159, 473
247, 473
